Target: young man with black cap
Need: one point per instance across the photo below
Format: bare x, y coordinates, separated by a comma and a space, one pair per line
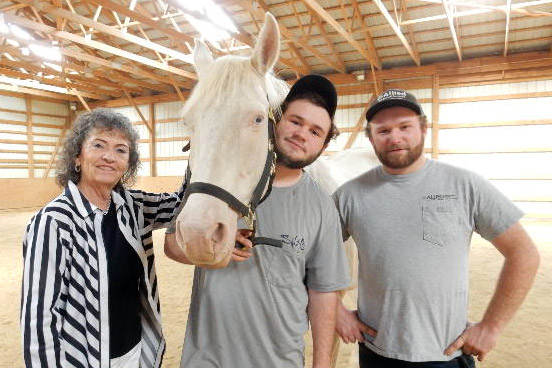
256, 311
412, 220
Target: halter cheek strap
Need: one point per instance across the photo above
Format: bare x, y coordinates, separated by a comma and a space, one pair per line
246, 211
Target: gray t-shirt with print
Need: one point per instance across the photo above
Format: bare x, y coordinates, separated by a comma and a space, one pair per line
413, 235
254, 313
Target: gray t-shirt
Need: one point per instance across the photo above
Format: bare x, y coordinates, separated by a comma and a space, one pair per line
413, 235
253, 313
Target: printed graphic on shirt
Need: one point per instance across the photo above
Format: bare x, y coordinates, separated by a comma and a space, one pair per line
295, 242
440, 197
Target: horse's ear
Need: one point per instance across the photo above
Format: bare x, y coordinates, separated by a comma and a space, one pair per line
202, 56
267, 47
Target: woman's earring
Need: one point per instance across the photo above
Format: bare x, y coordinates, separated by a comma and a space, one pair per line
77, 168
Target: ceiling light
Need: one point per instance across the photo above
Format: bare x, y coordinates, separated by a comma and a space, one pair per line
20, 32
50, 53
218, 23
3, 26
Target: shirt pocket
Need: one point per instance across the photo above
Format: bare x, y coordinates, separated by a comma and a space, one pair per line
286, 269
440, 221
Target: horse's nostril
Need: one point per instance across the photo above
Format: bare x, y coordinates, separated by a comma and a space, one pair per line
218, 235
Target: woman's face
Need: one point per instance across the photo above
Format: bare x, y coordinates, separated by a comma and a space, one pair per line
103, 158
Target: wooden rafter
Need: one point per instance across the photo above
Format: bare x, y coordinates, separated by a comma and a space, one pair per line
482, 9
258, 14
409, 28
398, 31
133, 103
367, 37
49, 9
82, 101
328, 18
96, 45
329, 43
36, 92
507, 31
450, 20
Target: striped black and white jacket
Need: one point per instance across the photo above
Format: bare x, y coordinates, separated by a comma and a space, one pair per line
64, 302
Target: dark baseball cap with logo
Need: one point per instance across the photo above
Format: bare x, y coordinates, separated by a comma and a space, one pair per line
392, 98
319, 85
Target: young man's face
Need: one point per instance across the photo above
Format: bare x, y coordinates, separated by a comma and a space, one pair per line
398, 138
301, 133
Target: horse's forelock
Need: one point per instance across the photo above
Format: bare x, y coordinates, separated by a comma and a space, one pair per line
277, 91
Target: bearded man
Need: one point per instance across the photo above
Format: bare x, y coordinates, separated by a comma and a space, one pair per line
412, 220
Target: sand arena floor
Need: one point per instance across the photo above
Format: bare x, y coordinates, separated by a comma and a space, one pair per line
527, 342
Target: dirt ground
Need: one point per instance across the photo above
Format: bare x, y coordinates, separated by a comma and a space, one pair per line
525, 343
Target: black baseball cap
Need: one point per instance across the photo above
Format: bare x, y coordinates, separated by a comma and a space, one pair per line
392, 98
316, 84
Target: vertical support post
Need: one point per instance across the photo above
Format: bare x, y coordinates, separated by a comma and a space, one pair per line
30, 144
152, 143
435, 118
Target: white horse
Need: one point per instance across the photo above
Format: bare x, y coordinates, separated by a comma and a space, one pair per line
227, 115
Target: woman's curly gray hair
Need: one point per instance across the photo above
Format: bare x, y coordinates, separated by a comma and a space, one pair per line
102, 119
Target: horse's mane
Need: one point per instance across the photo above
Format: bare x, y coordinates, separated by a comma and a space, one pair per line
232, 73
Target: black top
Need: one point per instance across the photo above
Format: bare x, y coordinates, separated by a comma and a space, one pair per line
124, 271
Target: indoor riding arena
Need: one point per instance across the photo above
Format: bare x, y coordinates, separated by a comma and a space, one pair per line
481, 71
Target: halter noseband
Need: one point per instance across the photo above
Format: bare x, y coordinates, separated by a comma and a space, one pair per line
247, 212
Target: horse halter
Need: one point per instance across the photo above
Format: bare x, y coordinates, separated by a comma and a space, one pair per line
247, 211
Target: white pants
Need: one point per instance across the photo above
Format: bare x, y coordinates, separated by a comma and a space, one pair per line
129, 360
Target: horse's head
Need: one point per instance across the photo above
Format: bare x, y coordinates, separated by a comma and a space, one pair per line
227, 115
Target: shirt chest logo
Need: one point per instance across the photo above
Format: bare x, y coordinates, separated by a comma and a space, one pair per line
295, 242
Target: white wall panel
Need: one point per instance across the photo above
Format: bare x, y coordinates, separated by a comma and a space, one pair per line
42, 157
496, 89
47, 130
169, 130
46, 107
504, 165
172, 168
498, 110
496, 138
169, 149
15, 146
142, 131
144, 169
168, 110
18, 136
130, 112
12, 156
49, 120
16, 128
143, 149
523, 189
14, 173
543, 209
5, 115
12, 103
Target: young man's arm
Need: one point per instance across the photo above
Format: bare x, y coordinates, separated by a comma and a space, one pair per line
322, 311
521, 261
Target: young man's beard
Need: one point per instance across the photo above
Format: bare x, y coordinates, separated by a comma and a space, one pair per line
295, 164
400, 162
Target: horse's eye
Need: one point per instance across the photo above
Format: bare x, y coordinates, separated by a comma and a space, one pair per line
258, 119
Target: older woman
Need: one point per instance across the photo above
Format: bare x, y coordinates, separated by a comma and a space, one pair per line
89, 296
